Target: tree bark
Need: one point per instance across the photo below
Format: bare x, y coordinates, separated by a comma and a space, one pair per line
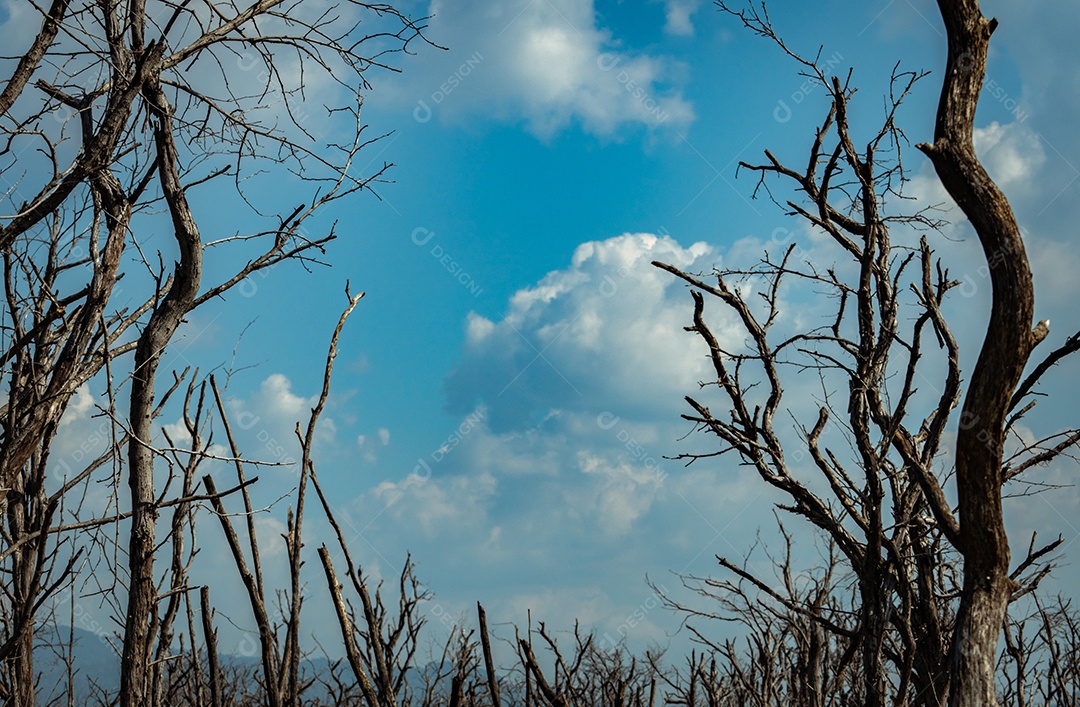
142, 598
492, 679
1005, 351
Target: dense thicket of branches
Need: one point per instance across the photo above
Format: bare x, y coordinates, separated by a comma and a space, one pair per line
115, 123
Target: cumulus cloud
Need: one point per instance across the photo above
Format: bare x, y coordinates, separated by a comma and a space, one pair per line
276, 397
568, 411
607, 331
559, 468
549, 64
574, 497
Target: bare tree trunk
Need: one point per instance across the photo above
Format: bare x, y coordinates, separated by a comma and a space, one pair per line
345, 622
1006, 348
24, 587
485, 640
267, 636
142, 596
210, 636
30, 514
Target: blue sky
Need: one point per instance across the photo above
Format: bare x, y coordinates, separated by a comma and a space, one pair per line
508, 391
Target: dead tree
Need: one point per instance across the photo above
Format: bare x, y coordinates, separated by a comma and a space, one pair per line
489, 665
589, 673
113, 123
279, 656
995, 387
922, 637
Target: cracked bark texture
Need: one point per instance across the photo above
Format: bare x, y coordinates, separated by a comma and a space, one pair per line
1006, 348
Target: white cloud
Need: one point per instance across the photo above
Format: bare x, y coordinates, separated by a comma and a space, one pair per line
621, 493
84, 433
477, 328
276, 409
607, 331
278, 399
178, 433
367, 446
78, 406
442, 508
1011, 153
548, 63
557, 505
678, 17
557, 484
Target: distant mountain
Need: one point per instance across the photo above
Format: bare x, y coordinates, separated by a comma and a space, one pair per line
95, 669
